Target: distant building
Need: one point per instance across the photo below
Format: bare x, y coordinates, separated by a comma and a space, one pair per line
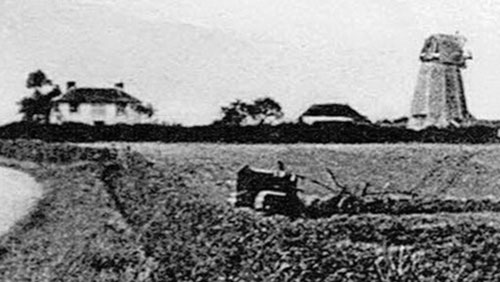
331, 113
399, 122
97, 106
439, 98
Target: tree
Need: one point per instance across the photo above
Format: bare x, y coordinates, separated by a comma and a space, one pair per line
261, 111
145, 109
234, 114
37, 79
264, 110
37, 106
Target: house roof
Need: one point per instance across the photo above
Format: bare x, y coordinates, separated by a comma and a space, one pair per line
97, 95
333, 110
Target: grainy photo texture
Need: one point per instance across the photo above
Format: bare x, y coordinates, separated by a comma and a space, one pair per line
237, 140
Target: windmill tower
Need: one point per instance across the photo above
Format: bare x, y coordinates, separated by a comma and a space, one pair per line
439, 98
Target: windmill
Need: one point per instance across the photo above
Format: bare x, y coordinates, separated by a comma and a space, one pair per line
439, 98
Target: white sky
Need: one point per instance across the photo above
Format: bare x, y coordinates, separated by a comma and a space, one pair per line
190, 57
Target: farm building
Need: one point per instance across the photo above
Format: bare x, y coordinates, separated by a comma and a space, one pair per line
329, 113
98, 106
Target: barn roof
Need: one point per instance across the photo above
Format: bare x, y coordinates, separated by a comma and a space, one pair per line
334, 110
97, 95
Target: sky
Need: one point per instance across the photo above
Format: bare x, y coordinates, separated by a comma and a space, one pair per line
190, 57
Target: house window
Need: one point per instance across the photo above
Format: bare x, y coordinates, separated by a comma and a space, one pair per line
73, 107
120, 108
98, 110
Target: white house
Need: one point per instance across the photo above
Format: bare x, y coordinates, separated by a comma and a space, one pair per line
98, 106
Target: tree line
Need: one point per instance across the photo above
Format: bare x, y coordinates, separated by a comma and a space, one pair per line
36, 107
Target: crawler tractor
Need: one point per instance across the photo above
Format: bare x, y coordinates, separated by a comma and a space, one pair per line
272, 192
276, 192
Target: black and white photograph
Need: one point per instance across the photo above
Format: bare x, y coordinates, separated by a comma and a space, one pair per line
250, 140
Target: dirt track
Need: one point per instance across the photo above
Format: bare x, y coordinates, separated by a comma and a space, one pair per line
18, 191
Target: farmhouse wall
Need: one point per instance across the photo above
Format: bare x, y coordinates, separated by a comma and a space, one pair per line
92, 113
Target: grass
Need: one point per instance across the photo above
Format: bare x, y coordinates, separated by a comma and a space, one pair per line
169, 221
469, 171
65, 237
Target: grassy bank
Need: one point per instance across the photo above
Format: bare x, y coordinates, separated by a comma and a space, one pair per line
66, 237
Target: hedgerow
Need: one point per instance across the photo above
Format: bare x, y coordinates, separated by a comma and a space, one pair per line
42, 152
278, 134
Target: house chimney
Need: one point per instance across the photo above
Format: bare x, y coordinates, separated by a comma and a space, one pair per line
70, 85
119, 85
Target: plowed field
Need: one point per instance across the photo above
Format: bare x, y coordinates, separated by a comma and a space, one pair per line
200, 236
430, 170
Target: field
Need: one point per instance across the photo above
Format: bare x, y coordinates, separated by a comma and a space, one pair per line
159, 212
471, 171
417, 241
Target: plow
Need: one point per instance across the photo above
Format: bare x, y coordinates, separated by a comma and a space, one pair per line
278, 192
